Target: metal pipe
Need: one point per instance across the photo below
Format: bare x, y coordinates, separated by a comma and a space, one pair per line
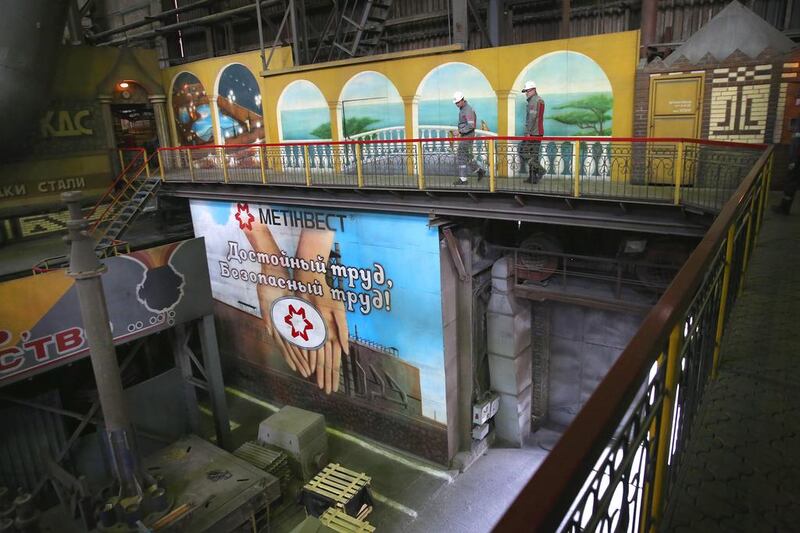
649, 17
149, 20
260, 35
565, 16
293, 22
87, 271
74, 23
189, 23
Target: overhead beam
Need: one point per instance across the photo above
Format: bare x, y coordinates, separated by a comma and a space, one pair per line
460, 22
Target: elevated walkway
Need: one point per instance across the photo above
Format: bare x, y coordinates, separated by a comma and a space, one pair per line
741, 467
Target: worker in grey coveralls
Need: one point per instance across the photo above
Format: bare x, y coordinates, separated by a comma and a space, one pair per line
534, 127
467, 121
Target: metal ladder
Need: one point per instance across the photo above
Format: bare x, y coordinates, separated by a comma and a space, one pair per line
357, 27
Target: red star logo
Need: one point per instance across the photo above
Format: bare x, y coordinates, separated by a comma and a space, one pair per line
295, 318
244, 217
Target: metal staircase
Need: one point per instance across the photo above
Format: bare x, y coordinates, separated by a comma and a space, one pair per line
353, 29
118, 207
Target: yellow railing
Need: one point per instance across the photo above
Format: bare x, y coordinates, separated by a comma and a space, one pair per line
672, 171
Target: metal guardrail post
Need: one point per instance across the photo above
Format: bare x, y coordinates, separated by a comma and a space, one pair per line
492, 166
665, 426
307, 164
420, 166
726, 281
189, 161
161, 165
765, 180
576, 169
261, 160
359, 166
676, 200
224, 165
146, 164
121, 159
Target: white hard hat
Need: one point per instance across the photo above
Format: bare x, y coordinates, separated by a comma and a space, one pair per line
457, 97
530, 84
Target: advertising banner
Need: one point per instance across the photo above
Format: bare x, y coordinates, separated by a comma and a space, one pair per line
345, 303
146, 291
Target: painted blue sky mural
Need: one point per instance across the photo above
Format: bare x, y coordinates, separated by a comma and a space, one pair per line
577, 94
436, 95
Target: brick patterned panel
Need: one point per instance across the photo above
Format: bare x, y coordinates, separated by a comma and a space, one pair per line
740, 103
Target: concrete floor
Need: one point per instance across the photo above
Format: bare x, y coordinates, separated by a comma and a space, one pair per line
411, 494
740, 470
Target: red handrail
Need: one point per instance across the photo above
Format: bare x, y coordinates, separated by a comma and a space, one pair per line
708, 142
136, 175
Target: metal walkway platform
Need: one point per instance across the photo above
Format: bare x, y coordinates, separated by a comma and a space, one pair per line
741, 467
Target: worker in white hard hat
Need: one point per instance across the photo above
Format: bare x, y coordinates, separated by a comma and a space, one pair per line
534, 127
467, 120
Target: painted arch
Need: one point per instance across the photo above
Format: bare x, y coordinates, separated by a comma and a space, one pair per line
436, 90
576, 92
191, 111
370, 102
303, 113
239, 113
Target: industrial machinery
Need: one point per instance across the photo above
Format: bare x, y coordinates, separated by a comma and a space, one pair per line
301, 435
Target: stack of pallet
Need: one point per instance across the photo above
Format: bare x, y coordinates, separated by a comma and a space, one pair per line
340, 488
272, 461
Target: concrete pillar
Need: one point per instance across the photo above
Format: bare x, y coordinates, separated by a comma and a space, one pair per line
108, 129
162, 124
411, 112
508, 325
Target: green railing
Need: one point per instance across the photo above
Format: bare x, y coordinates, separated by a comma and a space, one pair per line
614, 467
696, 173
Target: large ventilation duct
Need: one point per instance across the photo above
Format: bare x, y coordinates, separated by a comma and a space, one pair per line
30, 33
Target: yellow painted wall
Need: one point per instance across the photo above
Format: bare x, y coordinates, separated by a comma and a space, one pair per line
616, 54
208, 72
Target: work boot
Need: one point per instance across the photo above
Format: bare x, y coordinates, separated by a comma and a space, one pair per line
481, 174
460, 181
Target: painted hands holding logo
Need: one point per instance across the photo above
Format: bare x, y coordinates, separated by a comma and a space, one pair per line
323, 362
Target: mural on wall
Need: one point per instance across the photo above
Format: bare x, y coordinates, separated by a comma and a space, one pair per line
239, 112
370, 102
437, 113
337, 305
577, 95
191, 109
303, 113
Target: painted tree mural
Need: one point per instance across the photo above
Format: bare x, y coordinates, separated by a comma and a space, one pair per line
591, 114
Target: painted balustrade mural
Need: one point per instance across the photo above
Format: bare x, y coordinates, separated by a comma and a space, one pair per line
239, 112
192, 111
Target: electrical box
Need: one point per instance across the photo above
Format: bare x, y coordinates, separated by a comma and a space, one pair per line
480, 432
481, 412
301, 435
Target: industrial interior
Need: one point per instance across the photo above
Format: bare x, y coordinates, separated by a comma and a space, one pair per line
304, 266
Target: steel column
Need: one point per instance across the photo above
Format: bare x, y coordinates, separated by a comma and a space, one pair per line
216, 387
